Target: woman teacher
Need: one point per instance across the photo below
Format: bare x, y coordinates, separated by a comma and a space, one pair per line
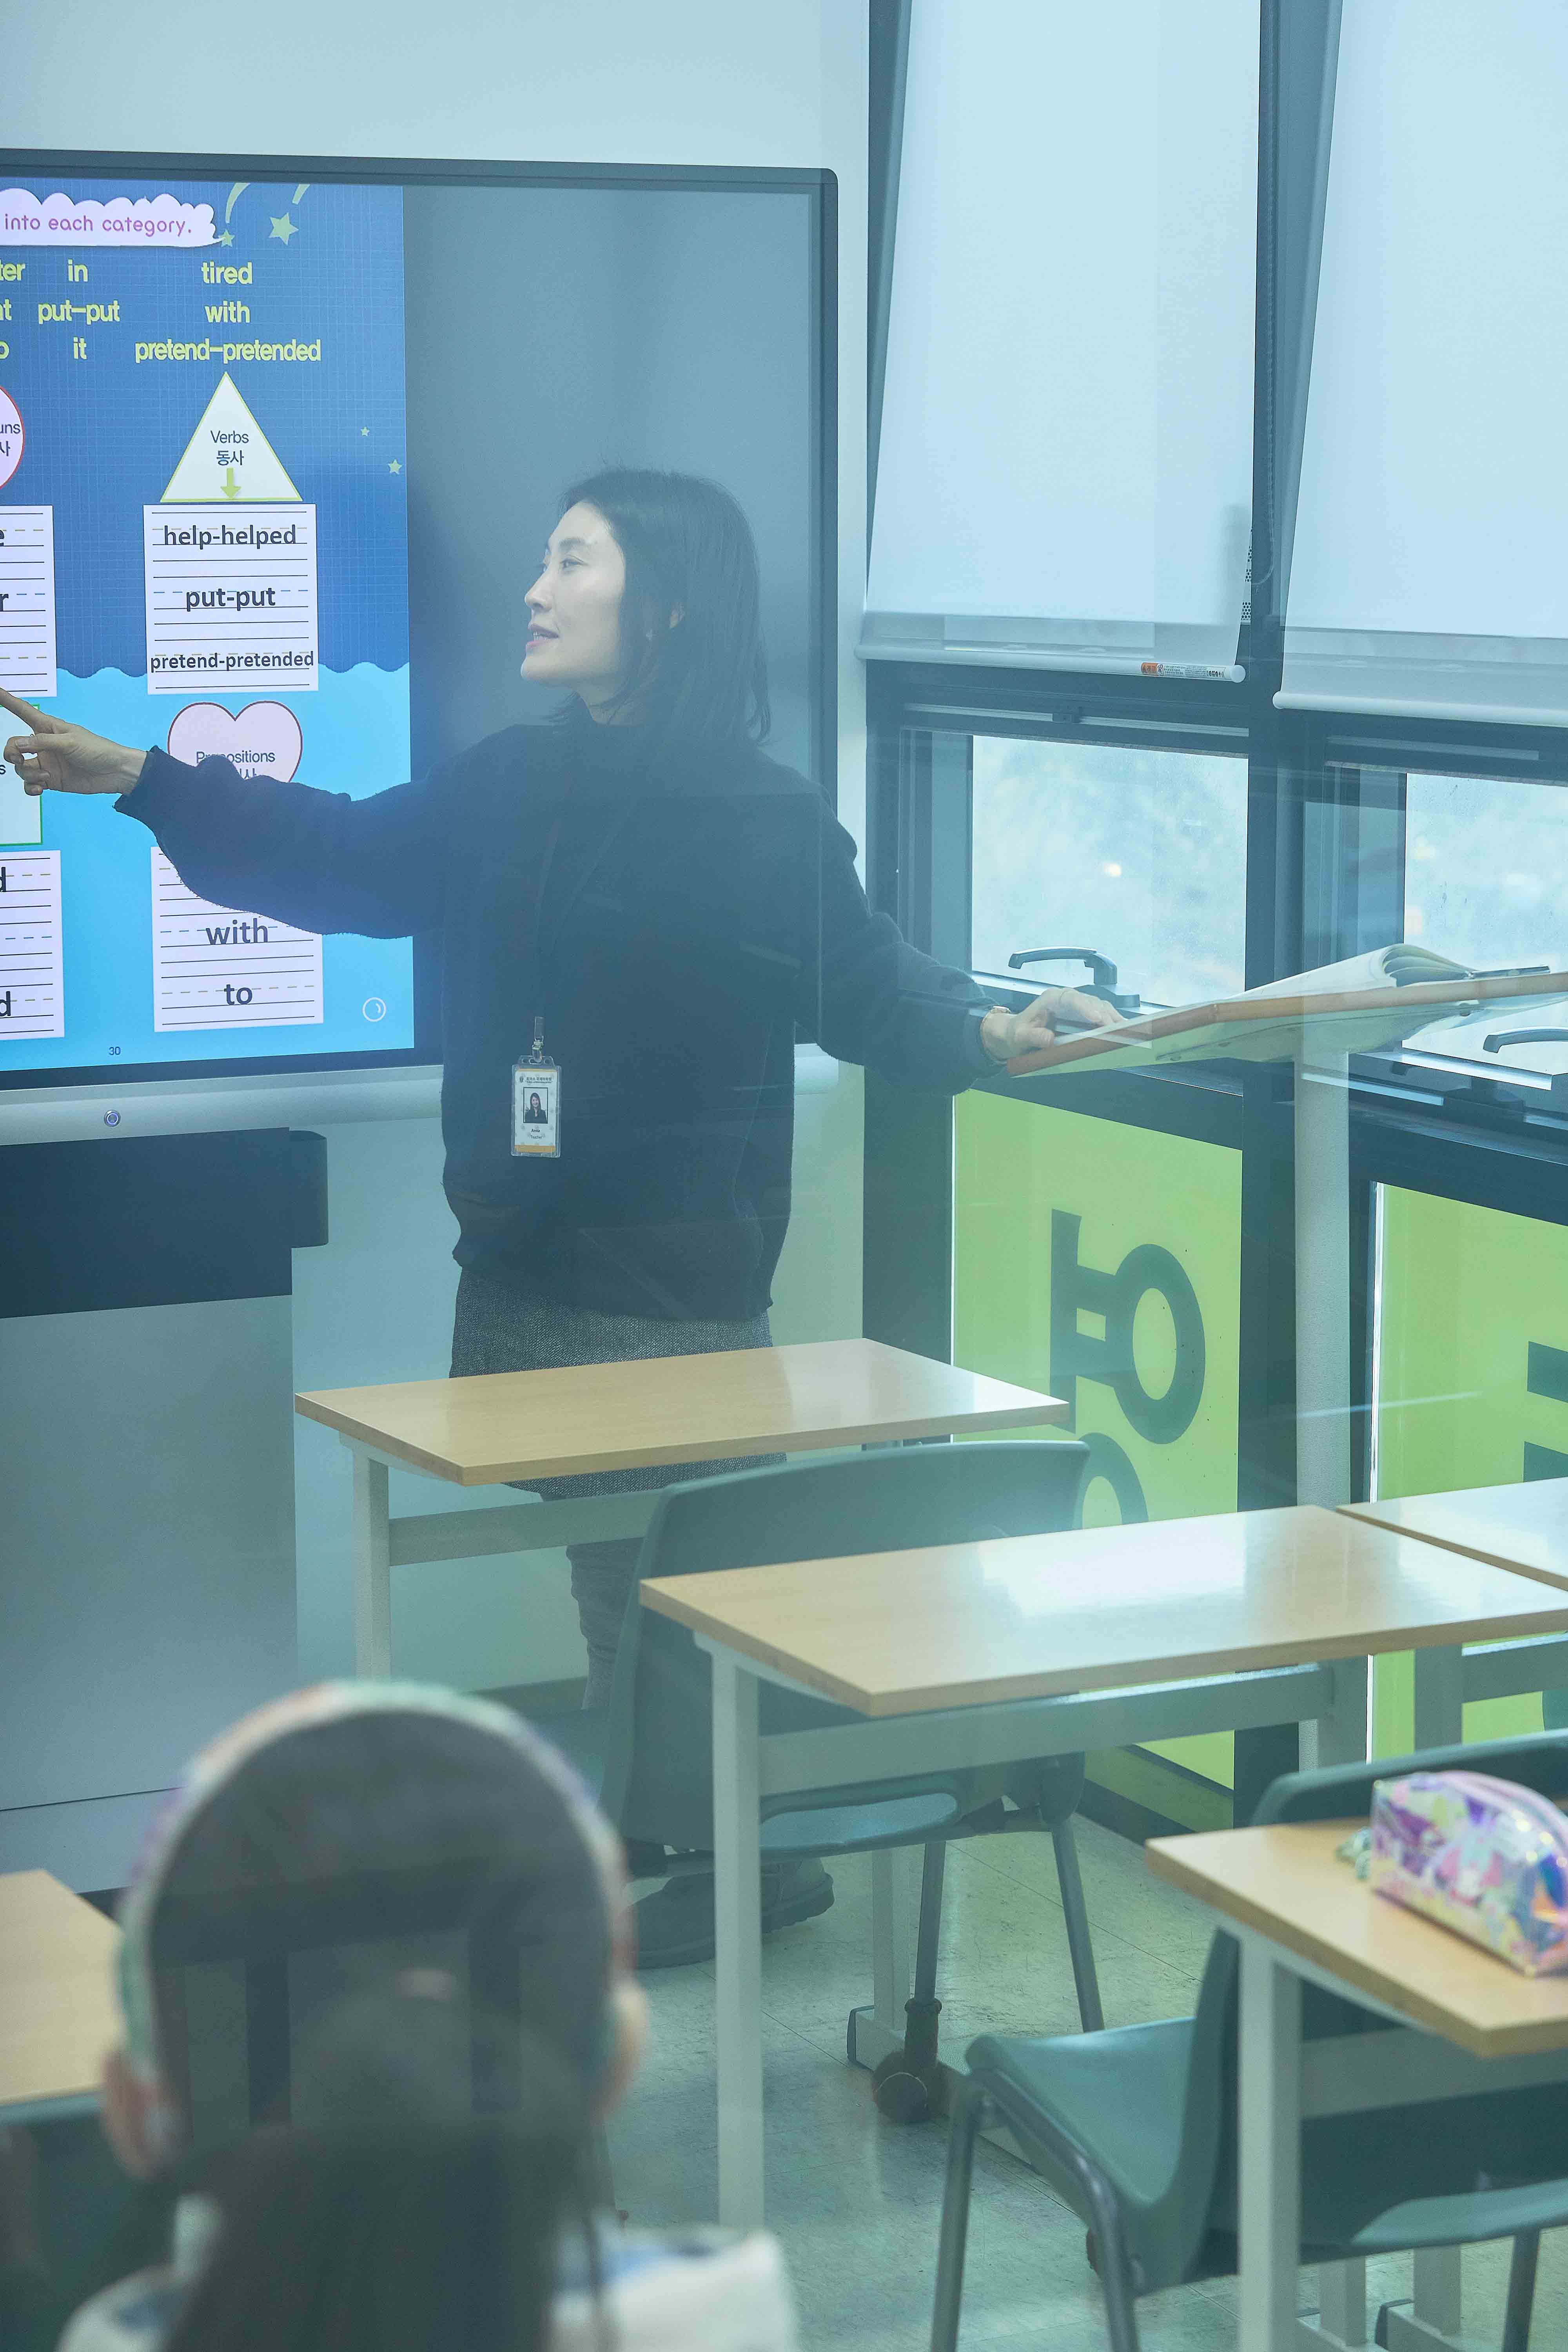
642, 907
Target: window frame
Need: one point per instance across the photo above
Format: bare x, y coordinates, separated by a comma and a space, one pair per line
1479, 1141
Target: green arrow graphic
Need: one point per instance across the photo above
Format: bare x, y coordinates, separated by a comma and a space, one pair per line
230, 486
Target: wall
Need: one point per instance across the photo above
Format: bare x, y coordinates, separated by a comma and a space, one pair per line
695, 82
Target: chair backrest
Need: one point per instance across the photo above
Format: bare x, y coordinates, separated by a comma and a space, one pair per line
659, 1782
1357, 2167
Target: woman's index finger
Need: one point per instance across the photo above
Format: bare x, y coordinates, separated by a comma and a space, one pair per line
19, 710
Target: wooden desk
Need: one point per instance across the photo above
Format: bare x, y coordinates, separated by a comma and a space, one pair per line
1301, 1914
1522, 1528
1029, 1616
1284, 1882
1525, 1527
1314, 1036
522, 1426
57, 2014
992, 1652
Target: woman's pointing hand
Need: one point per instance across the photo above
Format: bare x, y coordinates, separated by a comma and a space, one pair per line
56, 756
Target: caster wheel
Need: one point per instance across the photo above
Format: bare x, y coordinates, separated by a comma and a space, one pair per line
849, 2037
902, 2097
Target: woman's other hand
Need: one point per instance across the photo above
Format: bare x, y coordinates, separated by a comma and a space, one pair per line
1006, 1036
57, 757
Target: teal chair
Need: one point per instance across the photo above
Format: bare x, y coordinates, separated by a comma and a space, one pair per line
1135, 2129
650, 1753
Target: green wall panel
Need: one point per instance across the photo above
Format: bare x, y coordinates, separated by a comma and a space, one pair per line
1103, 1262
1472, 1387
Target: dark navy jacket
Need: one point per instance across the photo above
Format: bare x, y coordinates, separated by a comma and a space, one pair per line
700, 911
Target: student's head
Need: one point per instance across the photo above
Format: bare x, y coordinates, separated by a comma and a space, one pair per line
649, 606
354, 1814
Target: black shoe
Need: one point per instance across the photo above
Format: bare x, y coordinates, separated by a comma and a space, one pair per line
675, 1927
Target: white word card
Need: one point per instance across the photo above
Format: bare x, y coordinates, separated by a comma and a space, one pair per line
27, 599
32, 989
231, 597
216, 967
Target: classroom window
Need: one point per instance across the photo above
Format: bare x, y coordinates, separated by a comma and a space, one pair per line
1138, 854
1485, 867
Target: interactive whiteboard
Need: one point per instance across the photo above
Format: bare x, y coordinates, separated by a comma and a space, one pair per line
203, 543
229, 405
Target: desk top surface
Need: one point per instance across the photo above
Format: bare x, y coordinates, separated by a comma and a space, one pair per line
1277, 1028
1523, 1528
1033, 1616
1285, 1880
58, 2015
587, 1417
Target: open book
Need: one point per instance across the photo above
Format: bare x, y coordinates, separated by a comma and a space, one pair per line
1392, 967
1399, 966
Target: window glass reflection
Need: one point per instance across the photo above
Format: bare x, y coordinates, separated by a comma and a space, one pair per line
1485, 867
1140, 854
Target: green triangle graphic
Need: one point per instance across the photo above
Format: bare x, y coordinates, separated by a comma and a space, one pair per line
228, 460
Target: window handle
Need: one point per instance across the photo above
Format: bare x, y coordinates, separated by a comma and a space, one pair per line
1102, 972
1501, 1037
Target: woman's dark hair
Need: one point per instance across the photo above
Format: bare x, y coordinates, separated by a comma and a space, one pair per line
691, 577
403, 2222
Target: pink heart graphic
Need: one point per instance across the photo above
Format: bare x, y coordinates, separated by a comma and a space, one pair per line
262, 739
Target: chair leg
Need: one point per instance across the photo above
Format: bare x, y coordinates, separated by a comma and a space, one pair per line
1521, 2292
907, 2084
968, 2113
1116, 2278
1076, 1916
934, 1870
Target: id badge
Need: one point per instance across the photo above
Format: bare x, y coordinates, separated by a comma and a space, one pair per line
535, 1111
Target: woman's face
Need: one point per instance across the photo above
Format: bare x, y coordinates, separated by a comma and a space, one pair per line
574, 609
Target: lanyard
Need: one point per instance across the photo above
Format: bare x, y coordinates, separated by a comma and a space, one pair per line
541, 950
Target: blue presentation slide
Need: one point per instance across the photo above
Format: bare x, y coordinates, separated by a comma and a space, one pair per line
203, 545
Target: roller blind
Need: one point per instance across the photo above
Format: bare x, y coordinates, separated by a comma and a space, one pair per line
1428, 576
1065, 469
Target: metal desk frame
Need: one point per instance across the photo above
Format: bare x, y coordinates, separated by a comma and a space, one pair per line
1328, 1700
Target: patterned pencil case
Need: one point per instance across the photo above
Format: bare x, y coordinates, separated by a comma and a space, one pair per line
1486, 1857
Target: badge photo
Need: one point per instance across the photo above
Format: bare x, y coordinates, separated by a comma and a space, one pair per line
535, 1111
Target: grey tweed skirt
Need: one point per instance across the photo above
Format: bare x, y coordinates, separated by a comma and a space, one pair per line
499, 1328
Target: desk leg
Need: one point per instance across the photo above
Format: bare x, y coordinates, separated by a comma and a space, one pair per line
1439, 1723
738, 1942
1339, 1736
1322, 1280
1271, 2134
1439, 1697
1342, 2302
373, 1569
1437, 2288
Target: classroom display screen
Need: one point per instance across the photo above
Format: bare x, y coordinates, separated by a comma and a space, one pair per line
278, 460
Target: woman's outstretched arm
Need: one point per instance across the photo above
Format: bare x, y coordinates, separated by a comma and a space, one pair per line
317, 859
